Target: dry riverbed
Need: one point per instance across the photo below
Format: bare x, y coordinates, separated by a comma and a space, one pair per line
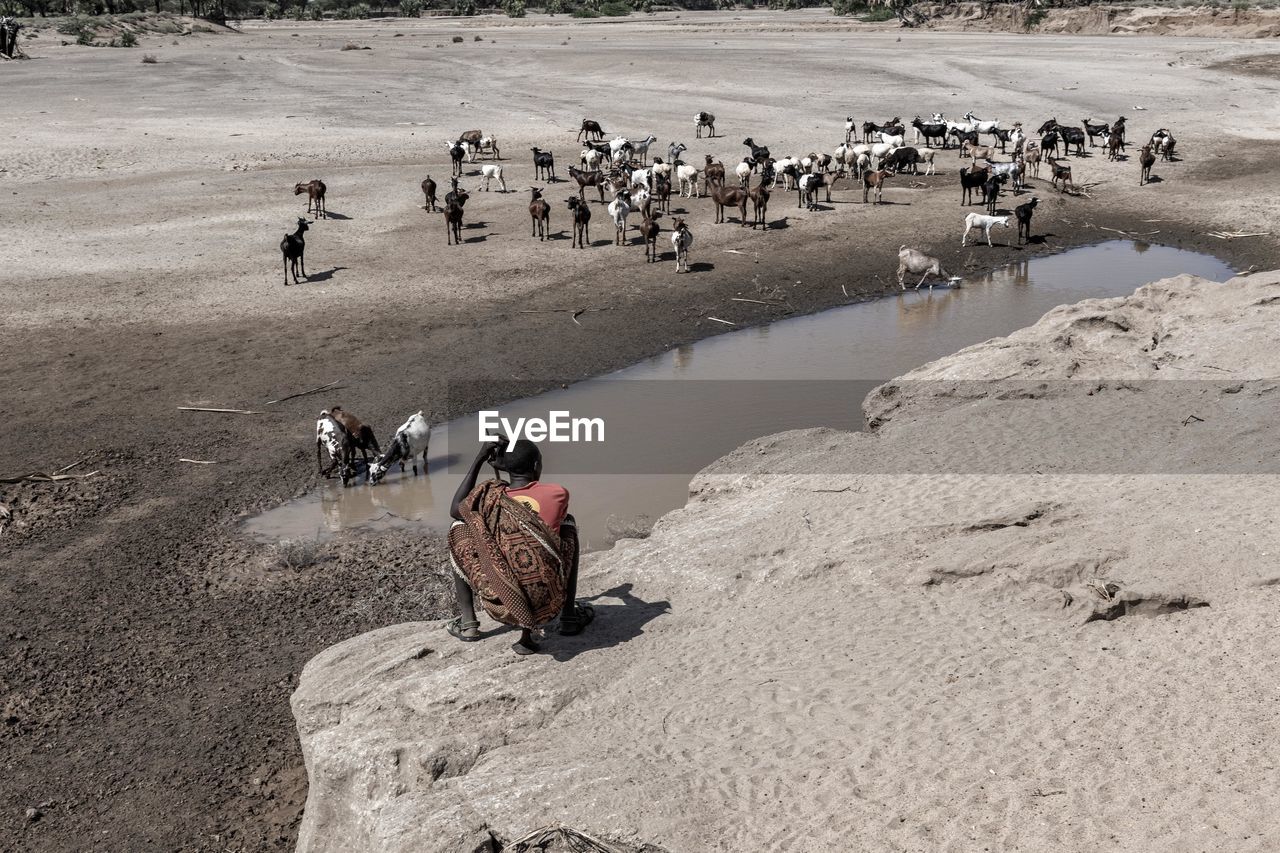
149, 650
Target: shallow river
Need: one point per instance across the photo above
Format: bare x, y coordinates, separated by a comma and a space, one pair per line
670, 415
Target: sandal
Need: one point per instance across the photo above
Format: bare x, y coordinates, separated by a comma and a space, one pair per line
576, 624
458, 629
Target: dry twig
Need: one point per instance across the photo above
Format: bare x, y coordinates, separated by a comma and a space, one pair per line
222, 411
318, 388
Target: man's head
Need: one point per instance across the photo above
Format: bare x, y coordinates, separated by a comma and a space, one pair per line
523, 460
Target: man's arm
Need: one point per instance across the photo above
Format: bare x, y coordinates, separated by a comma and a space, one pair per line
469, 481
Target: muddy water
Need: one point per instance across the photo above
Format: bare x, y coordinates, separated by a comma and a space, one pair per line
668, 416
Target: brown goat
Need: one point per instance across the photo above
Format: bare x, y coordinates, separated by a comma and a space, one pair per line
358, 435
649, 230
315, 196
429, 192
874, 180
713, 174
760, 204
588, 179
730, 197
1148, 159
540, 213
1059, 172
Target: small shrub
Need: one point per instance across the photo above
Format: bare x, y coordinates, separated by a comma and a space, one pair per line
294, 555
457, 39
128, 39
514, 8
615, 9
350, 46
466, 8
555, 7
878, 14
149, 59
360, 11
477, 38
584, 12
85, 37
1240, 5
411, 8
1036, 17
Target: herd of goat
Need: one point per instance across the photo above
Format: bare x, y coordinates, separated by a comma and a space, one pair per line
872, 153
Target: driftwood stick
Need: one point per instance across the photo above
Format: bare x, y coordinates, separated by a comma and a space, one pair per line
199, 461
317, 389
223, 411
718, 320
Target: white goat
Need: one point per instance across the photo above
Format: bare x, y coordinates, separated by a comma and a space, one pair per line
688, 177
743, 171
1011, 171
926, 156
489, 145
640, 148
918, 263
590, 158
981, 126
332, 437
893, 140
409, 442
619, 210
493, 172
782, 170
663, 169
681, 241
983, 221
849, 128
618, 145
878, 151
640, 178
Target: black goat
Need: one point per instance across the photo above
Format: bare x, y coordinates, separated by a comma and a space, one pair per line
1023, 213
544, 165
292, 247
429, 192
591, 129
758, 152
1092, 130
991, 192
581, 221
970, 180
931, 131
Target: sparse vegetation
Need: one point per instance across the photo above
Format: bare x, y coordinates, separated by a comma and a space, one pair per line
457, 39
514, 8
411, 8
149, 59
294, 555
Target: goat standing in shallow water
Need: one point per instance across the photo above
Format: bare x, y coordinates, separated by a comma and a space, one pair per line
912, 261
409, 442
681, 241
540, 213
359, 436
315, 196
292, 247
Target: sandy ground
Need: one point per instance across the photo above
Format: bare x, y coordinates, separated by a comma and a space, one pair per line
1034, 609
149, 651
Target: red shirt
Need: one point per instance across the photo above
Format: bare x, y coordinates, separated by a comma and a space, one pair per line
549, 500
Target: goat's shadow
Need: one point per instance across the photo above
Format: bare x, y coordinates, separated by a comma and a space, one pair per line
701, 266
777, 224
1155, 179
479, 238
324, 276
479, 223
613, 625
341, 217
